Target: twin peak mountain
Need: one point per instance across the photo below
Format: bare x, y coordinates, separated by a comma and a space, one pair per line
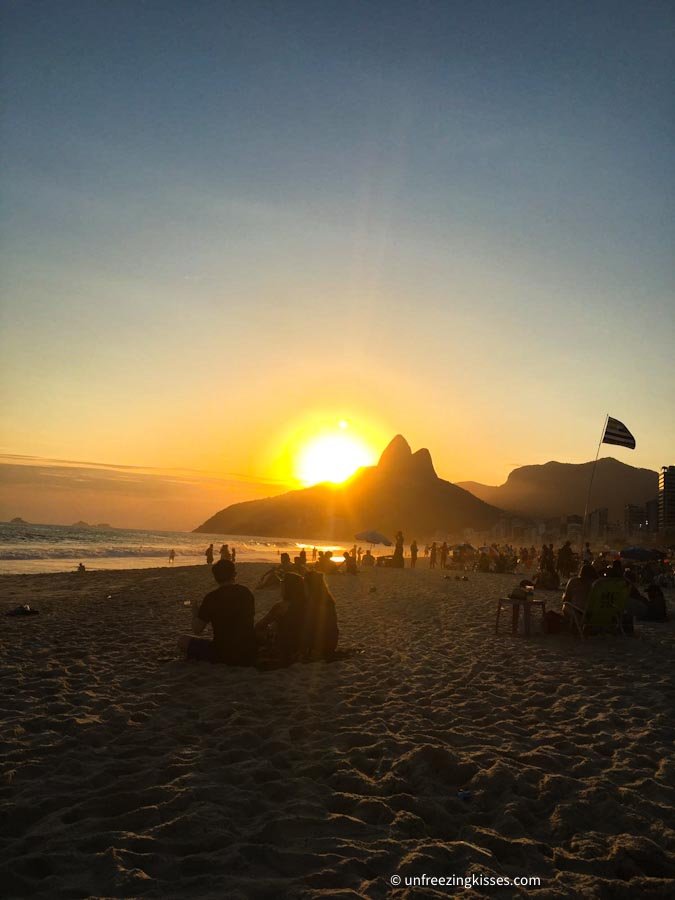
401, 491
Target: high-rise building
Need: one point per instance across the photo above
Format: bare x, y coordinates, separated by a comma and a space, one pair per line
667, 498
652, 514
634, 519
597, 523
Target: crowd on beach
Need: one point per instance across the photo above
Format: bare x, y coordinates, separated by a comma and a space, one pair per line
302, 624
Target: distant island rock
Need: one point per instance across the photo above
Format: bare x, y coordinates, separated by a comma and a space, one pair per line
401, 491
559, 489
80, 525
19, 521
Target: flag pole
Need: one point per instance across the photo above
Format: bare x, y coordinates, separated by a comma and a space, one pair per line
590, 484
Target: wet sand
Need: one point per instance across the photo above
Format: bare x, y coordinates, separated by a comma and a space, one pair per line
127, 773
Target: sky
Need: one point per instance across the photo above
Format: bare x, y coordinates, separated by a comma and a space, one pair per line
228, 226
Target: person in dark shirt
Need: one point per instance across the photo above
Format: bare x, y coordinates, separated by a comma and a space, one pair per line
657, 610
348, 565
230, 610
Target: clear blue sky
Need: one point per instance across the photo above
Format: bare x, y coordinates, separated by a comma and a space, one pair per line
455, 219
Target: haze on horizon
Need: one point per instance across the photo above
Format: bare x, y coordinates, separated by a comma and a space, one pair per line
230, 227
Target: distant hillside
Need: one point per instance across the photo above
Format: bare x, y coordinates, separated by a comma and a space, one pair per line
401, 491
558, 489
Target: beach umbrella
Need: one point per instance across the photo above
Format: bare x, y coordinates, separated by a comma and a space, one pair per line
373, 537
639, 554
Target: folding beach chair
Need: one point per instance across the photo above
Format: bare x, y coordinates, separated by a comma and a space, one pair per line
605, 607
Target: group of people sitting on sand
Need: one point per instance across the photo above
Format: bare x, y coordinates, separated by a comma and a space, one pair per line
325, 563
648, 607
301, 626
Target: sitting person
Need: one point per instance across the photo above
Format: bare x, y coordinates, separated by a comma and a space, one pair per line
273, 577
484, 563
348, 566
577, 590
656, 605
230, 609
321, 635
292, 594
368, 559
325, 562
549, 580
637, 604
303, 624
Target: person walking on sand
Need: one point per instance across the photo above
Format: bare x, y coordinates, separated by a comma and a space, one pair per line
444, 554
432, 556
172, 556
208, 553
413, 554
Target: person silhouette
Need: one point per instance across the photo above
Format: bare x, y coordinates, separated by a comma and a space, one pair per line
397, 560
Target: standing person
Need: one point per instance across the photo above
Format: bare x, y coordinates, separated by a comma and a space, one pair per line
303, 557
233, 554
565, 560
432, 556
397, 560
230, 610
413, 554
444, 554
313, 554
588, 553
208, 553
225, 552
359, 554
172, 556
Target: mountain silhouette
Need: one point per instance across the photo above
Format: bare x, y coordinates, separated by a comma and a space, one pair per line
401, 491
558, 489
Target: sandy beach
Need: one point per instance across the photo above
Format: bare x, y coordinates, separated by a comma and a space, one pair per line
437, 749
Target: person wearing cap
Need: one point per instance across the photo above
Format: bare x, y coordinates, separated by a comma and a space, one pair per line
230, 610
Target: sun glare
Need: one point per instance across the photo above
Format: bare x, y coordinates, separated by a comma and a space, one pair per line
332, 457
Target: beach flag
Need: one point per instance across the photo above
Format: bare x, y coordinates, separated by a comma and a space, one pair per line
617, 433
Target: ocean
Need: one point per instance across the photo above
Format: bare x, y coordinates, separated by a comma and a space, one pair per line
30, 549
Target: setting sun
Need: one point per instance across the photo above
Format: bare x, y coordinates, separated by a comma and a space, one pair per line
332, 457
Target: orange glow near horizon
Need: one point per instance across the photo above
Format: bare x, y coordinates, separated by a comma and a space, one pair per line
332, 457
324, 445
